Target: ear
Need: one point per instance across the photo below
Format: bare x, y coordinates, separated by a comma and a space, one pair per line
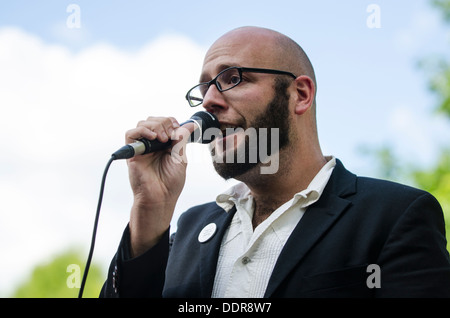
306, 90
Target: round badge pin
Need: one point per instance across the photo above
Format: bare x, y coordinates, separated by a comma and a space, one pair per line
207, 232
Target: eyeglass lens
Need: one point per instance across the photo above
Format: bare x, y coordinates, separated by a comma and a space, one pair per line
224, 81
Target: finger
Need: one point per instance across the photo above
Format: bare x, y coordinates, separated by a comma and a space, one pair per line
174, 126
161, 127
139, 132
168, 129
175, 123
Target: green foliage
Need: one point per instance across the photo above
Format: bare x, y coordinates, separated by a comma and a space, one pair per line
441, 85
59, 278
440, 81
387, 165
438, 71
444, 8
437, 181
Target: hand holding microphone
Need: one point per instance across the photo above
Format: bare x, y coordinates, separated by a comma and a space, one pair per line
199, 123
157, 179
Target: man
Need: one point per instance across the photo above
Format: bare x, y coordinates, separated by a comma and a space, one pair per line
309, 229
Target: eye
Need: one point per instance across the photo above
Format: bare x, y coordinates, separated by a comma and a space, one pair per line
234, 80
229, 78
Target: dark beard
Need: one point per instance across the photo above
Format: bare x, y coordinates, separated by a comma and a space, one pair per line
275, 116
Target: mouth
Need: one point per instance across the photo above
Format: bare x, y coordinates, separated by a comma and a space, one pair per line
228, 129
231, 134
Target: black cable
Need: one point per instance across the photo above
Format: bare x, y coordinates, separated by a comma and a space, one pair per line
94, 232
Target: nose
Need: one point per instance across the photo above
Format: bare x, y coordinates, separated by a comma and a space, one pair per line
214, 101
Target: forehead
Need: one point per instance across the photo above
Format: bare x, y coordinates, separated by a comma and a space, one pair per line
237, 50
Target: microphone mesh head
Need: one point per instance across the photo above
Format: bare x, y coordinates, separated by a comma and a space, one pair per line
210, 125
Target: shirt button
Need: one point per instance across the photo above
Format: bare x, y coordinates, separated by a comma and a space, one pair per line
246, 260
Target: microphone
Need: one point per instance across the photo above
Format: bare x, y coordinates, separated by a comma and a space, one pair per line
202, 121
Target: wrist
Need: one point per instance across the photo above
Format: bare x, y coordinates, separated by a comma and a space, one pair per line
147, 226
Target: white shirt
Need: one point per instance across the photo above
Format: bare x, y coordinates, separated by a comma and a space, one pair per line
247, 257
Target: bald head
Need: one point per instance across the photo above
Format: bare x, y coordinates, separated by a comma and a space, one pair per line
266, 48
263, 97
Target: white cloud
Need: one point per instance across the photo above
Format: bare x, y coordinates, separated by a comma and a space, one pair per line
71, 35
62, 115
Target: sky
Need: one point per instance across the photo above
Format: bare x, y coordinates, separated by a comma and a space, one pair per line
76, 75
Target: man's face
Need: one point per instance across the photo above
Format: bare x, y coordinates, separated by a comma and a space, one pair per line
257, 102
240, 151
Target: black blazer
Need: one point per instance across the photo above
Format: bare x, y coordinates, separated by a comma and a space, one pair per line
356, 222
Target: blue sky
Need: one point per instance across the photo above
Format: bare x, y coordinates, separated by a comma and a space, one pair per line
132, 23
362, 73
67, 96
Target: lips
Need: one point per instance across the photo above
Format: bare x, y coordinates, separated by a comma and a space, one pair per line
229, 128
227, 140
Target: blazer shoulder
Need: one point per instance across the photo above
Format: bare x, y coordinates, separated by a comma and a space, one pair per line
346, 184
386, 184
378, 197
389, 189
390, 200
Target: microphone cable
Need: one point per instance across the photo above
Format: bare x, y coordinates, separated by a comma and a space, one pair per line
94, 232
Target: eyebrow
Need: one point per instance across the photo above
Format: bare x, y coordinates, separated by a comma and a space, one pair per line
220, 68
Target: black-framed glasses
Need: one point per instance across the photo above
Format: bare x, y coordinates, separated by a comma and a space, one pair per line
226, 80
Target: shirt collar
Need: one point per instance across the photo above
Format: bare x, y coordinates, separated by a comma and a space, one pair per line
240, 193
236, 194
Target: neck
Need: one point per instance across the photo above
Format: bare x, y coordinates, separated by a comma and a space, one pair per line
272, 190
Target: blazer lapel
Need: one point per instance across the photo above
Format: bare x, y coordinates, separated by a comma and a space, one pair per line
314, 223
209, 251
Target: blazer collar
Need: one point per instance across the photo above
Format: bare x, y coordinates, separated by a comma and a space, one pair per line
315, 222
